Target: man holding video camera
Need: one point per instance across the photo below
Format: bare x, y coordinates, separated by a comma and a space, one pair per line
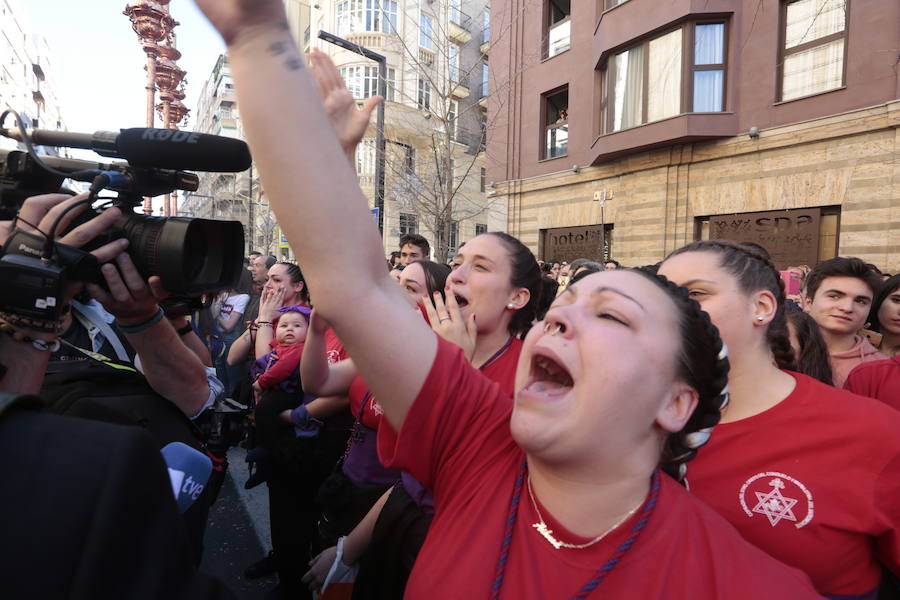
100, 491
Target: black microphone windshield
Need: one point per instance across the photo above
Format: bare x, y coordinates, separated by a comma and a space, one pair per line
183, 150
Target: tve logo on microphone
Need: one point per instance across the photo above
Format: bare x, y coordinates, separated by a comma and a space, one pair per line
189, 471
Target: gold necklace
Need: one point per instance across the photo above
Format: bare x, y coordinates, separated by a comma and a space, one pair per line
548, 533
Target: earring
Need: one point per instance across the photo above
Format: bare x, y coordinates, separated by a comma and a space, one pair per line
759, 319
510, 305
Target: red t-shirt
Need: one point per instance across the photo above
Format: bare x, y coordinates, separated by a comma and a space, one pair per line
814, 481
503, 368
878, 379
334, 348
371, 413
456, 440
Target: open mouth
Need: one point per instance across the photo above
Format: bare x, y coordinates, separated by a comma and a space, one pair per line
460, 300
548, 377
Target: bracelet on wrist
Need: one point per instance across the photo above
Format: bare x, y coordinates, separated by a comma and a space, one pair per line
21, 336
263, 324
185, 330
145, 325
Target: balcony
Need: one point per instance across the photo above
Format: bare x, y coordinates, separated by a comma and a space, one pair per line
459, 26
371, 40
556, 141
426, 57
38, 70
559, 38
460, 86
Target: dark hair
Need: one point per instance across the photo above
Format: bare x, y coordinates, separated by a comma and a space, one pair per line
842, 266
753, 272
583, 270
549, 287
702, 363
435, 276
525, 274
615, 262
759, 248
416, 240
271, 261
813, 358
296, 276
546, 267
890, 286
253, 253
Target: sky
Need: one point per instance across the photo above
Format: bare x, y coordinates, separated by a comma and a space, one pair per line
98, 62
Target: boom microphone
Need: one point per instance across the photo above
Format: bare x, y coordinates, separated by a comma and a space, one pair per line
150, 147
188, 471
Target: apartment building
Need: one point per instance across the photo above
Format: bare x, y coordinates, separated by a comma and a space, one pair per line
639, 126
27, 83
436, 95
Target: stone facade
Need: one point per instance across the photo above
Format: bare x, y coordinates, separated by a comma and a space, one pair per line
849, 162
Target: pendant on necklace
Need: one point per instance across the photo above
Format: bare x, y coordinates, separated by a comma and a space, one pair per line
548, 534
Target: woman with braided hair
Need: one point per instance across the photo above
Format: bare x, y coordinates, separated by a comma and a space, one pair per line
553, 493
806, 472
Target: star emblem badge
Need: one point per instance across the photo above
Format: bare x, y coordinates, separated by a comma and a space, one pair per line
774, 505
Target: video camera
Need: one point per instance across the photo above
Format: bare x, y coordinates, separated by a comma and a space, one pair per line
192, 256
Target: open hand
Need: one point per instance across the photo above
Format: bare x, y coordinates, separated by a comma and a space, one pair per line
447, 320
318, 569
349, 121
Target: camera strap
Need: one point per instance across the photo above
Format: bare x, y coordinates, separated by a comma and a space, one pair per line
100, 358
90, 315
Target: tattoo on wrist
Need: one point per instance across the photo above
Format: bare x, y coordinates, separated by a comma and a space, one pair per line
280, 48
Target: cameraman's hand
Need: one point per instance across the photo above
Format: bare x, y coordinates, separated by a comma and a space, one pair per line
349, 122
129, 299
42, 211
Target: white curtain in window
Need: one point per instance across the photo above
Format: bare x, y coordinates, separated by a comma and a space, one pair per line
709, 44
709, 89
629, 88
809, 20
664, 81
365, 157
815, 70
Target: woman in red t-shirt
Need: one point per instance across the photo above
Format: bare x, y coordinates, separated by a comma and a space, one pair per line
560, 491
807, 472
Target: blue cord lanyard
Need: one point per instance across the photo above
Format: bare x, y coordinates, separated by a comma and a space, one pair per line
497, 354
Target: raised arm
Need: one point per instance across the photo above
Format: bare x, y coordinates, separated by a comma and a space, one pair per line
315, 196
320, 378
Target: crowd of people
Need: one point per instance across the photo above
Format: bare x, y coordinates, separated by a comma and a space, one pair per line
709, 426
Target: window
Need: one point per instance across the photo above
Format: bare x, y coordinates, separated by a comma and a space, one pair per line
409, 223
426, 31
453, 241
646, 83
480, 228
456, 13
482, 187
451, 172
556, 124
362, 81
613, 3
484, 79
378, 16
486, 27
559, 28
424, 97
451, 118
812, 57
708, 68
365, 157
453, 60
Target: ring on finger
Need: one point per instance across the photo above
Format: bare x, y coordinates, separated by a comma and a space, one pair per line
444, 319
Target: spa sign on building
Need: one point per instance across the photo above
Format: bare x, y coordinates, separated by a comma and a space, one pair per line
790, 236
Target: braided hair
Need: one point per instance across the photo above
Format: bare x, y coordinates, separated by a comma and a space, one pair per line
296, 276
702, 363
754, 271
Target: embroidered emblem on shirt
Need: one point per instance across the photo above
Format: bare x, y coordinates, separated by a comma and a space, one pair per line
779, 497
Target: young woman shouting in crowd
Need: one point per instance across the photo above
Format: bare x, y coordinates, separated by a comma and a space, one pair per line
564, 497
807, 472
